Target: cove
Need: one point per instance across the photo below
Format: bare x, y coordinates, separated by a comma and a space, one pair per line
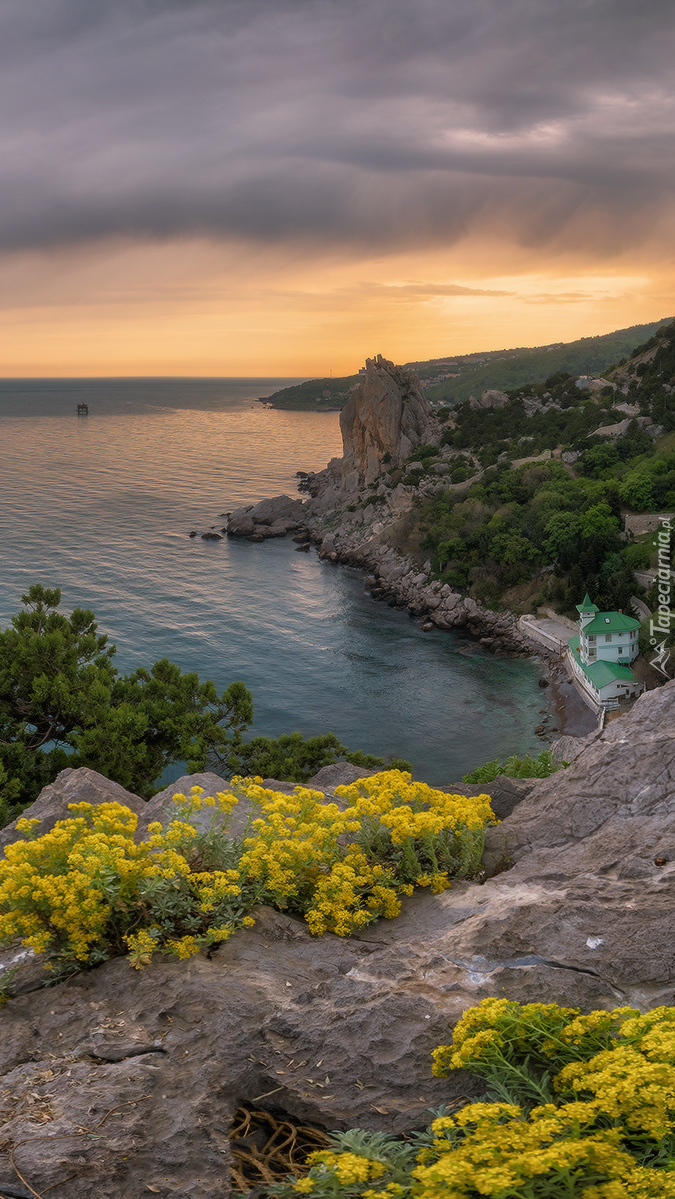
102, 507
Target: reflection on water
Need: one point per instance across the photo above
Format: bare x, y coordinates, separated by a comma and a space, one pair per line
102, 506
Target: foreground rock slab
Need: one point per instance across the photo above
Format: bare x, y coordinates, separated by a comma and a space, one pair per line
116, 1081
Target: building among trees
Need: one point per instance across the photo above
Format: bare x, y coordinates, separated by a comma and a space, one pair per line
602, 653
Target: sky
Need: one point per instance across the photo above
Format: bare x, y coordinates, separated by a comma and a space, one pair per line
284, 187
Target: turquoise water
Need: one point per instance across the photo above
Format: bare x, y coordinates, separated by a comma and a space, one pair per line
101, 506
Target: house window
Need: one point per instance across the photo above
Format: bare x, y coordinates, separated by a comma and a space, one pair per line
591, 638
608, 636
592, 653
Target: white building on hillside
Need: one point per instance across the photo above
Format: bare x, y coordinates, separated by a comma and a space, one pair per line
602, 653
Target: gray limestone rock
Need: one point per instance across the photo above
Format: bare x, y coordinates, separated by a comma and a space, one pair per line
270, 518
281, 509
567, 749
241, 523
278, 529
577, 907
386, 414
489, 399
71, 786
493, 398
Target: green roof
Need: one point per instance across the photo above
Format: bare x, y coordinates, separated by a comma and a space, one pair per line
574, 644
610, 622
586, 605
600, 673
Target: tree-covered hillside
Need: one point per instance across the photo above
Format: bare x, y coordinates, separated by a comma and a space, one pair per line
547, 530
316, 395
452, 380
507, 369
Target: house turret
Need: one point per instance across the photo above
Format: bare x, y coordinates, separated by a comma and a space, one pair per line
586, 610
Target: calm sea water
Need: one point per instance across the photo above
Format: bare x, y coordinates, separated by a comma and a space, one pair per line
101, 506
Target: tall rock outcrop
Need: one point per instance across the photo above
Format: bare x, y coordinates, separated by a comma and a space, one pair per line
387, 413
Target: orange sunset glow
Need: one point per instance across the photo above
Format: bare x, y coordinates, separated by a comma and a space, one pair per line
201, 189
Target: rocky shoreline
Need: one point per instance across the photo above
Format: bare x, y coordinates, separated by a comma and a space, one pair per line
356, 515
394, 579
391, 577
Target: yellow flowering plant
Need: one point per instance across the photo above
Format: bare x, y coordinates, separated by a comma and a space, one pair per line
358, 1164
426, 836
89, 889
517, 1048
608, 1132
342, 869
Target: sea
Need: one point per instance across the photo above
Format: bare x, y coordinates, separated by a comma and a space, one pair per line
102, 507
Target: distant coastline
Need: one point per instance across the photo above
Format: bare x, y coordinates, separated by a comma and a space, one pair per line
453, 380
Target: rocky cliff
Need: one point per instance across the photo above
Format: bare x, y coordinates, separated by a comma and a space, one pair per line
362, 507
118, 1082
385, 418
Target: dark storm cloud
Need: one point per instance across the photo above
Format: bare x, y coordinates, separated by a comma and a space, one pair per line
339, 122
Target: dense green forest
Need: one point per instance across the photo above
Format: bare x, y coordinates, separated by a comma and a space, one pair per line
507, 369
474, 373
554, 524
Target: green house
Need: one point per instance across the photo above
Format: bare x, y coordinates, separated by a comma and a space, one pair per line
602, 653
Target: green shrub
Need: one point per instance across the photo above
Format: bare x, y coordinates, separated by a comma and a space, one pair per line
638, 555
516, 768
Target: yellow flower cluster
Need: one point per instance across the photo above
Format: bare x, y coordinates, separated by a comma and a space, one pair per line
353, 894
184, 947
633, 1083
411, 809
501, 1150
303, 1186
215, 885
404, 833
620, 1078
438, 835
223, 800
88, 888
296, 837
54, 887
391, 1191
498, 1150
495, 1023
610, 1136
347, 1168
141, 946
65, 891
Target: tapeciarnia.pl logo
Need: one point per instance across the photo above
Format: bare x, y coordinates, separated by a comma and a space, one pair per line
660, 623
